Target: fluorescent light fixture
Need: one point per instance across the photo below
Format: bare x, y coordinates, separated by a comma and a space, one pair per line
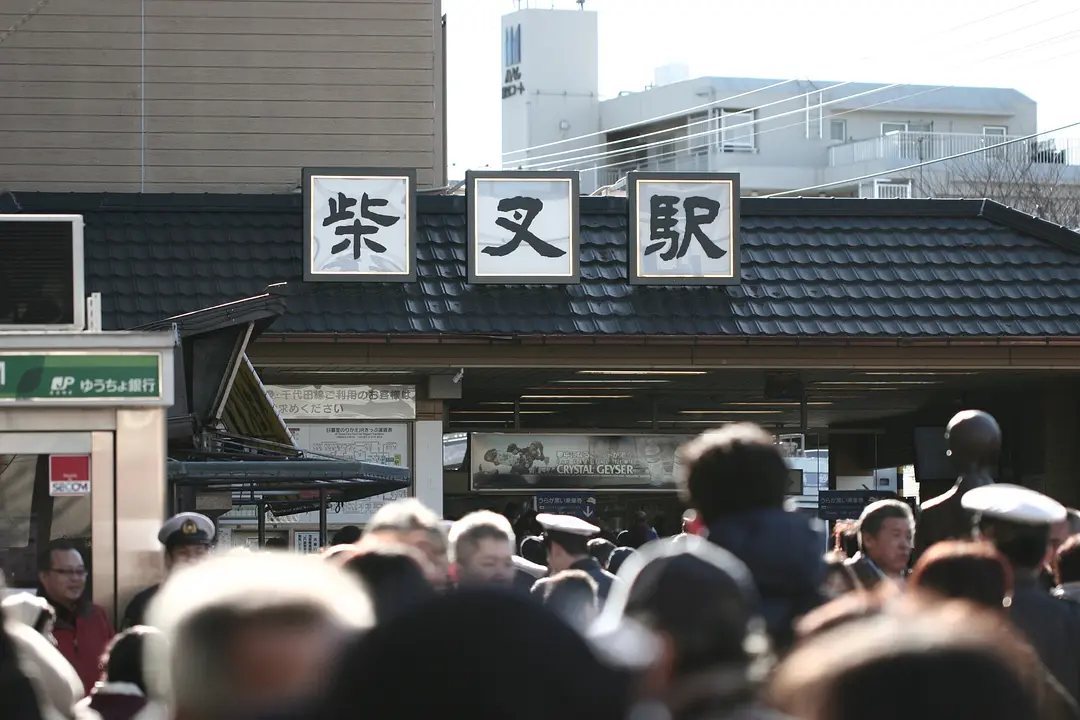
784, 403
504, 403
345, 372
731, 412
619, 380
642, 372
945, 373
502, 412
841, 383
576, 397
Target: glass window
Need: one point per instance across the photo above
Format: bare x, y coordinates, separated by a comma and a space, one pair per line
838, 130
996, 130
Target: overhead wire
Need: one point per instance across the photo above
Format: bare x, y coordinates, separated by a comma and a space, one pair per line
925, 163
565, 163
722, 101
659, 156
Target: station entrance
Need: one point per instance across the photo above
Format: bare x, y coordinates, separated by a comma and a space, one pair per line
82, 455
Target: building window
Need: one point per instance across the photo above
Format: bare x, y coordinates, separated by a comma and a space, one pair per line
892, 127
738, 130
698, 131
838, 130
995, 130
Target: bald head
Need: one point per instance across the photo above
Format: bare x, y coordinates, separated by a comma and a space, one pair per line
974, 441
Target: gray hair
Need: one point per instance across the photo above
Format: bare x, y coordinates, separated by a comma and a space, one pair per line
405, 515
476, 526
198, 606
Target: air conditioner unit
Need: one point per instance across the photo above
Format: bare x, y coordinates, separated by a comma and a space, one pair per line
42, 279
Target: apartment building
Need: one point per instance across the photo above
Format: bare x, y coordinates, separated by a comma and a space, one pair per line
778, 135
217, 95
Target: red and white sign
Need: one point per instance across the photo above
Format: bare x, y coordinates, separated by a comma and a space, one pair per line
69, 475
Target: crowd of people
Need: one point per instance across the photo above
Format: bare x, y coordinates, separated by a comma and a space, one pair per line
739, 617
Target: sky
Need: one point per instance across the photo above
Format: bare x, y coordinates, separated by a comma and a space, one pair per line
1024, 44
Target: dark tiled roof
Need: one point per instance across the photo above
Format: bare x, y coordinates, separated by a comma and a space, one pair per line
811, 267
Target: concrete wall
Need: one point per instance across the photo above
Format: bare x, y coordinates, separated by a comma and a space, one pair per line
217, 95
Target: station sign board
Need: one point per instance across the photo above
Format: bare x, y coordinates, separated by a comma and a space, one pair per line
79, 378
848, 504
578, 504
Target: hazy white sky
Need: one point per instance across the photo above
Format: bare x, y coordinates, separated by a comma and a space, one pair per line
1030, 45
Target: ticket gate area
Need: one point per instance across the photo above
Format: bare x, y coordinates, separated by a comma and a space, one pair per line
82, 455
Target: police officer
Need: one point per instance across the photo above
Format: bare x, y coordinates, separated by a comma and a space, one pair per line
187, 538
566, 541
1017, 520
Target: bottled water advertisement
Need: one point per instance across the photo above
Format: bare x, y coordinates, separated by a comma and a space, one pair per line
505, 461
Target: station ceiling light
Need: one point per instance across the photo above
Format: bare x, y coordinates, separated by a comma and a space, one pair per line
731, 412
775, 403
538, 402
614, 380
642, 372
502, 412
872, 383
576, 397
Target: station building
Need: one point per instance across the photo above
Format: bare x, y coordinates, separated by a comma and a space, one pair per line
856, 327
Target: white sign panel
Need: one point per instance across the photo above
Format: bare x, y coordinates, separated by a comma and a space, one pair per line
383, 443
344, 402
684, 228
360, 225
523, 227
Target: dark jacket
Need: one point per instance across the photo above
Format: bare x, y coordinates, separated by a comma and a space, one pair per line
135, 614
785, 556
602, 577
1052, 626
868, 574
122, 701
81, 637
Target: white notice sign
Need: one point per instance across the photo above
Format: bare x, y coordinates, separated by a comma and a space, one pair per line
344, 402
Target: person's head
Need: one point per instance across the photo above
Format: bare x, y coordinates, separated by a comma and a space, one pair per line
393, 575
846, 537
1073, 519
735, 469
601, 549
187, 538
973, 571
839, 579
410, 522
532, 549
62, 572
1059, 533
572, 595
1017, 520
482, 549
886, 533
700, 603
347, 535
1068, 560
125, 659
618, 557
566, 540
30, 610
477, 653
253, 631
964, 662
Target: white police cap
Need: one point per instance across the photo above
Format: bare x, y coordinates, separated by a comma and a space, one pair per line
567, 524
187, 528
1013, 503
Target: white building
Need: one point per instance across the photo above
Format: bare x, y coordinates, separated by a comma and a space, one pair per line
779, 136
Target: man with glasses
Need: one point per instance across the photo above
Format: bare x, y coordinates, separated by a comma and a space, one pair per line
82, 629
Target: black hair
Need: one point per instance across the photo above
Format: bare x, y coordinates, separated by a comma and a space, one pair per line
59, 545
601, 549
1022, 545
346, 535
393, 578
874, 516
732, 470
572, 544
532, 549
20, 700
125, 657
618, 557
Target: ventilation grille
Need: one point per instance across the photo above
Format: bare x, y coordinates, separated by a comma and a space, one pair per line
36, 271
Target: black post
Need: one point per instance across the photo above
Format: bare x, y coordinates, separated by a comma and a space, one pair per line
262, 522
322, 518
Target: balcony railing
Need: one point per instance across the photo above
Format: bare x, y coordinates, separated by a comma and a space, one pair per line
908, 148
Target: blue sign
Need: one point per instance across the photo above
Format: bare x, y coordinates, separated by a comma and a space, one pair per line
578, 504
848, 504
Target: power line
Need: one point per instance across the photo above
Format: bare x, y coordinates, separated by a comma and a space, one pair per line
714, 103
561, 164
925, 163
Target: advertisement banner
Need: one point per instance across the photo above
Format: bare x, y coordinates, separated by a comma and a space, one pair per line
517, 461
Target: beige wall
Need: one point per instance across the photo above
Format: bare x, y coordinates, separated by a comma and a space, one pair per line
238, 94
